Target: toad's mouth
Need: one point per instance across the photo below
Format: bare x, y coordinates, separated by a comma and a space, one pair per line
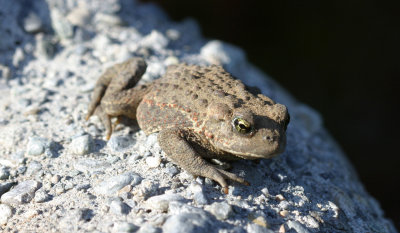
250, 156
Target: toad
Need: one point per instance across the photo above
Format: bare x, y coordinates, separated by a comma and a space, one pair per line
200, 112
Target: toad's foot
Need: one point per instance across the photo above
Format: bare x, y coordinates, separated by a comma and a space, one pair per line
175, 146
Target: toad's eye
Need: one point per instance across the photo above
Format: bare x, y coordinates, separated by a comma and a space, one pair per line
241, 125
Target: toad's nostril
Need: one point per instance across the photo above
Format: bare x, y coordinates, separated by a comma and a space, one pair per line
269, 138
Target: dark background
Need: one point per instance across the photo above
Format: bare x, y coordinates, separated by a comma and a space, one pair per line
340, 57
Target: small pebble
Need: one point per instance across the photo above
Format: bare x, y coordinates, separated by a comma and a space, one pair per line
37, 145
188, 223
32, 23
147, 228
297, 226
41, 196
280, 197
55, 179
124, 227
79, 16
161, 203
5, 213
120, 143
113, 184
198, 194
153, 161
22, 193
33, 168
5, 186
4, 173
119, 207
221, 210
81, 145
254, 228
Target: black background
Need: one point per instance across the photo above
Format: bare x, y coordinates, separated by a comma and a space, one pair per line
340, 57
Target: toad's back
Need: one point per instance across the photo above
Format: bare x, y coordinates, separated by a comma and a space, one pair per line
181, 97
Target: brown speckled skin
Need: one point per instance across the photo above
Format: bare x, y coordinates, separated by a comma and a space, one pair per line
193, 108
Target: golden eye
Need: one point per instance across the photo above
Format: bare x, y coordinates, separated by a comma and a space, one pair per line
241, 125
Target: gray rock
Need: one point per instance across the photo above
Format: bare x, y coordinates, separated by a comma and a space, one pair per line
113, 184
221, 210
45, 48
79, 16
297, 227
147, 228
60, 24
33, 168
254, 228
5, 213
41, 196
38, 145
171, 169
122, 227
32, 23
198, 194
120, 143
4, 173
81, 145
4, 187
22, 193
91, 165
119, 207
161, 203
188, 223
18, 57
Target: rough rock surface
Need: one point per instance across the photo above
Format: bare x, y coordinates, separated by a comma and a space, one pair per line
51, 55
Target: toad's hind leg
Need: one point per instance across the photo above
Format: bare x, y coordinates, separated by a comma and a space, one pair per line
115, 93
182, 153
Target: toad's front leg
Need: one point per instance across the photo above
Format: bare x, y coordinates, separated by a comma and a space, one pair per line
179, 150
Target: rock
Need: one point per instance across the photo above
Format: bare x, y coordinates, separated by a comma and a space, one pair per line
4, 173
198, 194
188, 223
109, 19
153, 161
254, 228
32, 23
79, 16
61, 25
221, 210
161, 203
296, 226
124, 227
4, 187
155, 40
220, 53
147, 228
113, 184
37, 145
5, 72
171, 169
18, 57
33, 168
81, 145
119, 207
5, 213
22, 193
91, 165
41, 196
120, 143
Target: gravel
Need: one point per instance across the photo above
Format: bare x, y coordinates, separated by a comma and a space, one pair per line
59, 174
22, 193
